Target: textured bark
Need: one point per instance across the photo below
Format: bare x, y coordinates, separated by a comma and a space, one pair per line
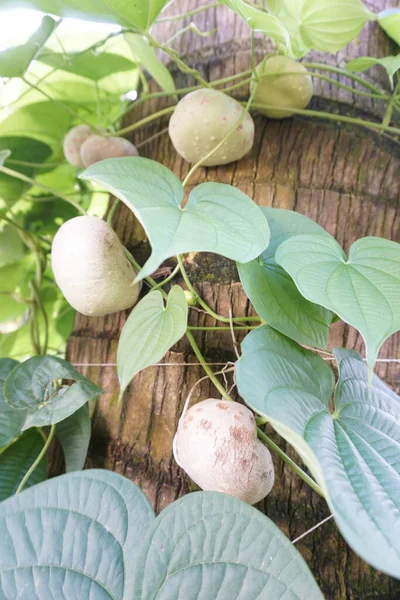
345, 178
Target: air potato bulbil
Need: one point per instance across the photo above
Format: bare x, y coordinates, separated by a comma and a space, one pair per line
98, 147
280, 90
91, 269
202, 119
216, 444
73, 142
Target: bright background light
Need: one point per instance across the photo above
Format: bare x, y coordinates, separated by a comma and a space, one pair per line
18, 24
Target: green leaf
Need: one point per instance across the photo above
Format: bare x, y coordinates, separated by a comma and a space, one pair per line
33, 386
138, 14
217, 217
389, 20
329, 25
11, 246
209, 546
45, 122
74, 436
353, 452
260, 20
4, 154
87, 64
15, 61
11, 420
363, 289
274, 294
21, 149
149, 332
390, 63
17, 459
145, 55
93, 523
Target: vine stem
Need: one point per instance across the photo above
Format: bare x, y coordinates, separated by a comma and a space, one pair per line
26, 179
190, 13
149, 119
339, 118
182, 66
390, 106
205, 366
309, 480
204, 305
167, 279
339, 71
37, 461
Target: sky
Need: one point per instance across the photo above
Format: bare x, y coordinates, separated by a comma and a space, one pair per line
18, 24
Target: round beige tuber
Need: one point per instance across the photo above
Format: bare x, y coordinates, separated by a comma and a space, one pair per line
73, 142
91, 269
98, 147
202, 119
293, 90
216, 444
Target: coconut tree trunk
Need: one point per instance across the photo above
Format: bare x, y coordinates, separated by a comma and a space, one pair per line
345, 178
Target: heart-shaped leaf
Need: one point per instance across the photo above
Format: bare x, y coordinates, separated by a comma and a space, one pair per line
74, 436
73, 537
137, 15
328, 25
353, 452
33, 386
363, 289
217, 217
11, 420
209, 546
17, 459
274, 294
149, 332
15, 61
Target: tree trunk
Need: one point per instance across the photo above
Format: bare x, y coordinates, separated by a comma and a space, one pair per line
345, 178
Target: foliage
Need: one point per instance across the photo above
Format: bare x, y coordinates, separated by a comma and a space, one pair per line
102, 539
189, 551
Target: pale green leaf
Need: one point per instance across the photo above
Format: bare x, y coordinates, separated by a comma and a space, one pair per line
329, 25
150, 331
145, 55
34, 386
390, 63
88, 64
363, 289
217, 217
11, 420
138, 14
353, 452
272, 291
17, 459
259, 20
74, 536
74, 436
211, 546
389, 20
15, 61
